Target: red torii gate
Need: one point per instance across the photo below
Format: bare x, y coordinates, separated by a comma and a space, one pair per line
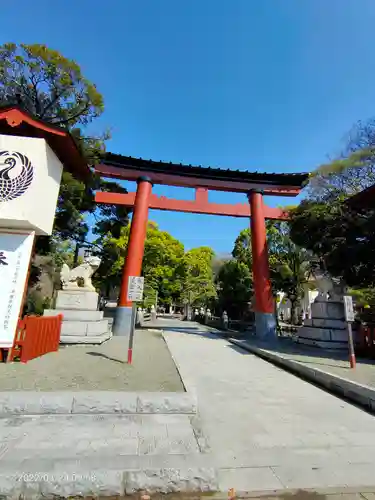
254, 184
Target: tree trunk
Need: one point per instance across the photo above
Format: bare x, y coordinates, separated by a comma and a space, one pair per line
293, 312
76, 252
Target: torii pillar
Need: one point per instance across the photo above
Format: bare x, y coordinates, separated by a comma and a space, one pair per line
265, 320
134, 255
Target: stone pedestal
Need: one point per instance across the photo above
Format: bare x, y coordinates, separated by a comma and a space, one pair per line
82, 322
327, 327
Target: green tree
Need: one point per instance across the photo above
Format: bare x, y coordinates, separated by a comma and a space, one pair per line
234, 288
242, 247
53, 88
162, 261
289, 264
242, 250
341, 236
290, 272
48, 85
198, 281
352, 171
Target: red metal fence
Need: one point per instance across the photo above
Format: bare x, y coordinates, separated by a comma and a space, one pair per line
366, 340
35, 336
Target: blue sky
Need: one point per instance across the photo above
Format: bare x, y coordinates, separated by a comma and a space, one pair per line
267, 85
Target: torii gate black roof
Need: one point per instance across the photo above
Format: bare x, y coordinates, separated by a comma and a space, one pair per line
291, 179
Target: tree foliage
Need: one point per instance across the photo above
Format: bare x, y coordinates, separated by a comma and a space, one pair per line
341, 236
352, 171
177, 277
53, 88
235, 288
48, 85
162, 261
289, 267
198, 280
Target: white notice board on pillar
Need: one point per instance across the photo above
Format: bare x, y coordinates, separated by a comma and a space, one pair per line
349, 309
15, 254
135, 288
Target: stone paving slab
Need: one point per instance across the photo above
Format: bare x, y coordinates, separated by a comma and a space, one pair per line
259, 430
101, 454
262, 423
56, 436
299, 364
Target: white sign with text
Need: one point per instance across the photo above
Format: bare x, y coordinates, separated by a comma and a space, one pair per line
135, 288
349, 309
15, 254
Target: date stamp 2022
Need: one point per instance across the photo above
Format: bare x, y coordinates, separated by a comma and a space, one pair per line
60, 477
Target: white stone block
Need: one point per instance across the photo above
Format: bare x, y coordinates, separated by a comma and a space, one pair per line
328, 323
323, 334
76, 328
81, 300
84, 339
75, 315
325, 310
97, 327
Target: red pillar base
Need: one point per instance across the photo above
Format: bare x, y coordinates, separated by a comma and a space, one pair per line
122, 322
265, 326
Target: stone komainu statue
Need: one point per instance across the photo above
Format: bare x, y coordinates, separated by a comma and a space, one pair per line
69, 277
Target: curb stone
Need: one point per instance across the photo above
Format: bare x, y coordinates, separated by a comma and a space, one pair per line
362, 395
96, 402
101, 483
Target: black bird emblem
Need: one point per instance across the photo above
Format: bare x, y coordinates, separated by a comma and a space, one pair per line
16, 175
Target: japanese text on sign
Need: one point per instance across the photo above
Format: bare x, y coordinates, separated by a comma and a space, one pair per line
8, 311
15, 253
135, 288
349, 310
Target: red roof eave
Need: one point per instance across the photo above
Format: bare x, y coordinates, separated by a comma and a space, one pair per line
16, 121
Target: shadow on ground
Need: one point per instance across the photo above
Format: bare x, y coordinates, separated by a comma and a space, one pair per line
102, 355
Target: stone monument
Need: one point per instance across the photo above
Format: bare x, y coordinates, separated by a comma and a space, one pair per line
83, 323
327, 326
153, 313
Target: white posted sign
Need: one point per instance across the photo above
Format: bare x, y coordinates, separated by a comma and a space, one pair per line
135, 288
15, 253
349, 309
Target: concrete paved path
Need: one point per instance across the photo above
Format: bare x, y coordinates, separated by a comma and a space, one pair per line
100, 455
268, 429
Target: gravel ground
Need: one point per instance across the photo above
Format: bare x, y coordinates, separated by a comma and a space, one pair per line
104, 367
